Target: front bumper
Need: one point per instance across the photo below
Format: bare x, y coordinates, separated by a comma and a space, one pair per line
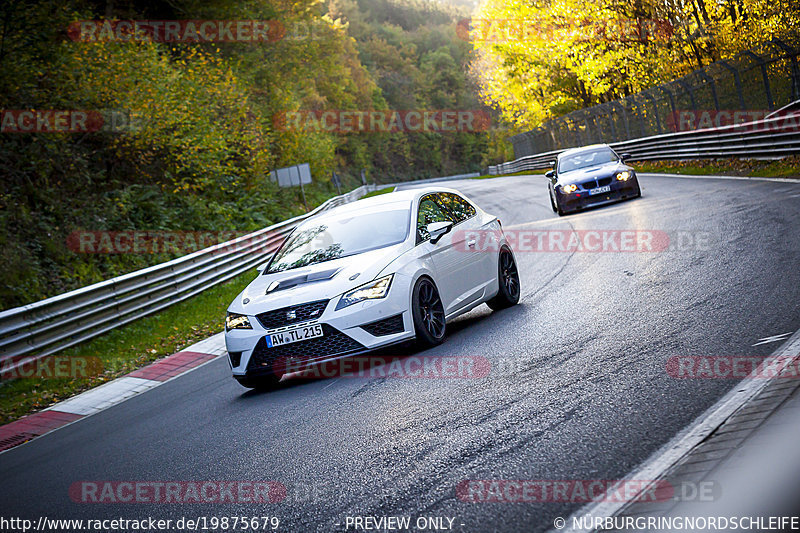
580, 199
355, 329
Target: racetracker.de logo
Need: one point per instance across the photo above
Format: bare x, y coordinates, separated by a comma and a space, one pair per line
175, 242
66, 121
400, 367
177, 31
733, 367
572, 491
643, 30
51, 367
383, 121
749, 120
538, 241
177, 492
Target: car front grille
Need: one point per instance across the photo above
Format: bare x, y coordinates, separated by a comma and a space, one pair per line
301, 313
332, 343
385, 326
600, 182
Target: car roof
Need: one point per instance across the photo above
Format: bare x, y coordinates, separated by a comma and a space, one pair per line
582, 148
404, 197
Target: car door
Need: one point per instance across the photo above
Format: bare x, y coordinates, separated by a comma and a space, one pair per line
446, 260
470, 236
454, 266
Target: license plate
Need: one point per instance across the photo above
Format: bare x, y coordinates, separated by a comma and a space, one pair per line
600, 190
294, 335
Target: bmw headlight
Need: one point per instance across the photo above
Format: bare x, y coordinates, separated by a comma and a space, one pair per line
623, 176
237, 321
569, 188
369, 291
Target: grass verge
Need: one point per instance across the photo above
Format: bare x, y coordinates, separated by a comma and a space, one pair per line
783, 168
385, 190
125, 349
521, 173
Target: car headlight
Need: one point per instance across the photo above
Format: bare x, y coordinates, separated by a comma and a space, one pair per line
623, 176
369, 291
237, 321
569, 188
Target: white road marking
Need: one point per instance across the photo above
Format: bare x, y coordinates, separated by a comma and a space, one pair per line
685, 441
773, 338
104, 396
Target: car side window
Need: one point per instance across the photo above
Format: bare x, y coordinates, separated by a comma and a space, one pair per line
429, 212
461, 209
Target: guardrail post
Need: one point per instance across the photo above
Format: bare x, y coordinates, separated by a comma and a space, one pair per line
791, 54
671, 102
702, 73
688, 89
624, 118
650, 97
763, 65
737, 81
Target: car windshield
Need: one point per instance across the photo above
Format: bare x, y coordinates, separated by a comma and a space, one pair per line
348, 233
588, 158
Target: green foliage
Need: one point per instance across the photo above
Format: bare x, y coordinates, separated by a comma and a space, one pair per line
538, 60
202, 137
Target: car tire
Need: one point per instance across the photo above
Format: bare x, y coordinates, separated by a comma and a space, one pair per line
261, 383
427, 312
552, 203
508, 277
638, 191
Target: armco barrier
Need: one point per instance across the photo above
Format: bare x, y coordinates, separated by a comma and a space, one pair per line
45, 327
770, 138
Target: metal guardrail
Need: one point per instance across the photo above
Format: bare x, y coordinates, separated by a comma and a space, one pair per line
40, 329
769, 138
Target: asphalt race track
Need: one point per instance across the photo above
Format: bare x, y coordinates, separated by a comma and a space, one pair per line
578, 387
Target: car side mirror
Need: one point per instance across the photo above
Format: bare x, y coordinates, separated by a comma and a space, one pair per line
438, 229
624, 157
549, 174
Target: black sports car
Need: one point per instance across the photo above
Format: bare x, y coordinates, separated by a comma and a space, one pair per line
590, 176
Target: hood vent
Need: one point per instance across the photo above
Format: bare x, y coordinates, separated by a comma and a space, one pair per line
302, 279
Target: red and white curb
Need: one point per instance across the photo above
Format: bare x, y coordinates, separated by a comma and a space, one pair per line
109, 394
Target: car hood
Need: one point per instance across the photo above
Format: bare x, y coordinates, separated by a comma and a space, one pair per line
598, 171
321, 281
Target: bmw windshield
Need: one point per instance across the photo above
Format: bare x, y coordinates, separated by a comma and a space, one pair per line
348, 233
588, 158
